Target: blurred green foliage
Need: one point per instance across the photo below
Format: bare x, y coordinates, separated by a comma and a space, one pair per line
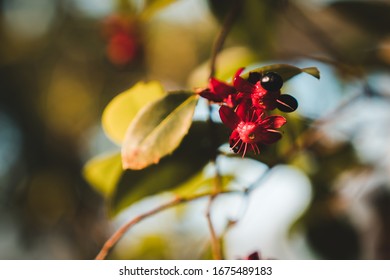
57, 78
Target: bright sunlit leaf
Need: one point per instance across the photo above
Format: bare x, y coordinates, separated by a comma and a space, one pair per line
158, 129
103, 173
122, 109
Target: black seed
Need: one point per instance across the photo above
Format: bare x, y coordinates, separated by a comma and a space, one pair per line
254, 77
287, 103
271, 81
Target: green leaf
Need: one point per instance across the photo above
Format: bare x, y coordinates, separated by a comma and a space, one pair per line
285, 71
157, 130
172, 171
103, 173
154, 6
199, 183
136, 185
123, 108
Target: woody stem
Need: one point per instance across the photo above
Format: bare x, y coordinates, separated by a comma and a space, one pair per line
113, 240
217, 47
221, 38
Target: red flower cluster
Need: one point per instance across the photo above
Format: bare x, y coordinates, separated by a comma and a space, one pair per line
245, 106
123, 39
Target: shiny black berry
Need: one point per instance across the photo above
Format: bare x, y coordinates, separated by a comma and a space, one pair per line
286, 103
271, 81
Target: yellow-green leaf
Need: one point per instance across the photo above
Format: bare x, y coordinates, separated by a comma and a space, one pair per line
199, 183
158, 129
104, 172
123, 108
154, 6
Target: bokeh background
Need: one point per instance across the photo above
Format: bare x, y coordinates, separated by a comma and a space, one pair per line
62, 61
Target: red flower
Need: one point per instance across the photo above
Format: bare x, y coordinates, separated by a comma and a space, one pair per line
122, 48
222, 92
244, 105
250, 128
261, 91
254, 89
123, 38
219, 92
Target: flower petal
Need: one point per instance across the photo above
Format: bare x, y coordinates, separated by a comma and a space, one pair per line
220, 88
246, 112
273, 122
263, 99
239, 72
270, 137
228, 117
242, 110
241, 84
209, 95
231, 100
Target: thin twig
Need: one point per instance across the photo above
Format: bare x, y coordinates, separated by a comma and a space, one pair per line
217, 47
310, 28
313, 134
217, 188
110, 243
244, 204
226, 27
215, 241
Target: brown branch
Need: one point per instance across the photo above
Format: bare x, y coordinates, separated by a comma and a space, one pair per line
215, 241
218, 44
110, 243
226, 27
